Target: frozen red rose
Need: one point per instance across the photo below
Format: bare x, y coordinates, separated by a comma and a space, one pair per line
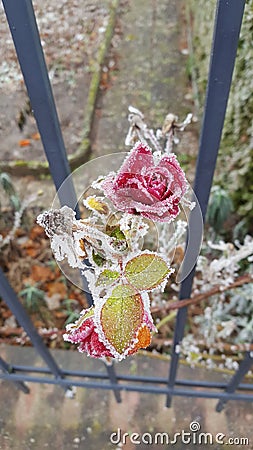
86, 336
143, 187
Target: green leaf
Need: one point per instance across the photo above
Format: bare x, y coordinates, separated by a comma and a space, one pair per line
98, 260
15, 202
146, 271
121, 317
7, 184
116, 233
107, 277
32, 296
88, 313
73, 315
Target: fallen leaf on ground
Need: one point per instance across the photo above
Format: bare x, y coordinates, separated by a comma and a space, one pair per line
36, 136
31, 248
41, 273
24, 143
60, 314
36, 232
56, 287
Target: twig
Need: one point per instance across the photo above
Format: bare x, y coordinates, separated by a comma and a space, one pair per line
6, 332
198, 298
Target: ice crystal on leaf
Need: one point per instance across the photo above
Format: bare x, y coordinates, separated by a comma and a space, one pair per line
108, 244
147, 271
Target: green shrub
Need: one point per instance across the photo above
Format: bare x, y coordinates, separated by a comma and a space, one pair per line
235, 162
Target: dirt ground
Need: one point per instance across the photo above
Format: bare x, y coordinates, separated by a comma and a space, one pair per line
71, 34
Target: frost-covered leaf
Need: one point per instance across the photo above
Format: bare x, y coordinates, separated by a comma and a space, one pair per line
83, 333
63, 247
107, 277
146, 271
57, 221
121, 316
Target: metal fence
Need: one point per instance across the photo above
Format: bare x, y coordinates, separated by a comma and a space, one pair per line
22, 23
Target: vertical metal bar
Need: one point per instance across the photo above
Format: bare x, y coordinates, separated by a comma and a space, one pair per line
25, 34
113, 379
10, 298
8, 369
229, 14
237, 378
24, 30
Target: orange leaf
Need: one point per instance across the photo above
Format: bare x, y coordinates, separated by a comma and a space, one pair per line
144, 339
60, 314
32, 252
56, 287
36, 231
39, 323
32, 248
42, 273
36, 136
24, 143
